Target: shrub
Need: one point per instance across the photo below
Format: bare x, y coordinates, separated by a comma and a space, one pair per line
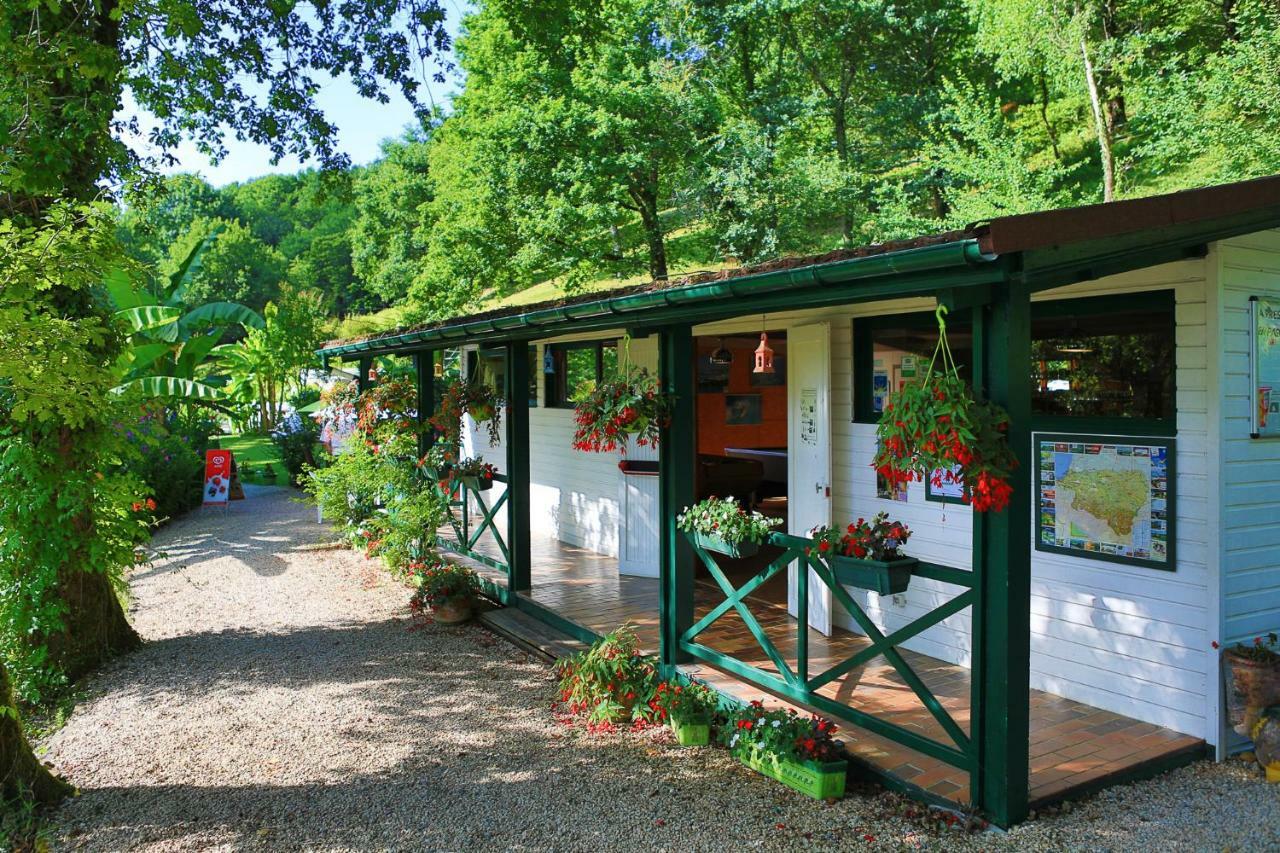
166, 451
297, 436
403, 532
780, 732
611, 682
437, 582
725, 519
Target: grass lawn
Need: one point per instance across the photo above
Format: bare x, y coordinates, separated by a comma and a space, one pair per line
252, 454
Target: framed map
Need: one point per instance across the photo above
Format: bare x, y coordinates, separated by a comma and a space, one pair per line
1107, 498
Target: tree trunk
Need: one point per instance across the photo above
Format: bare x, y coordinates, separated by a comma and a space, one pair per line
1101, 126
644, 194
94, 627
840, 126
23, 774
1044, 117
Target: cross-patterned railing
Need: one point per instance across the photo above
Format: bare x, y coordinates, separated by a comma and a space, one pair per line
795, 682
465, 538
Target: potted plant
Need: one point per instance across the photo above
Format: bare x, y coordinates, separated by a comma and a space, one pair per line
482, 402
446, 588
687, 708
611, 682
937, 428
867, 554
800, 752
1253, 680
476, 474
723, 526
629, 404
437, 462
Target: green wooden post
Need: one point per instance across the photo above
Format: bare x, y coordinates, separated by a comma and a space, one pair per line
1003, 558
362, 375
424, 365
677, 458
519, 559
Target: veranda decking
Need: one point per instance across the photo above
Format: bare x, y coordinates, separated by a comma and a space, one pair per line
1073, 748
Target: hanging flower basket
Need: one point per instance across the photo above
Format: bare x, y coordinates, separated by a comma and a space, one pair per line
476, 474
482, 402
937, 428
721, 525
629, 404
867, 554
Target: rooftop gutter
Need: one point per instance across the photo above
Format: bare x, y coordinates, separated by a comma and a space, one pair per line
631, 310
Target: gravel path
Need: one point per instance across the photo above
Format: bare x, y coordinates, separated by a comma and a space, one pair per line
283, 700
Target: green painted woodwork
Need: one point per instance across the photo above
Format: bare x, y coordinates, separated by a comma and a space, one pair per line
1002, 542
796, 684
424, 368
520, 560
465, 539
677, 460
822, 781
362, 373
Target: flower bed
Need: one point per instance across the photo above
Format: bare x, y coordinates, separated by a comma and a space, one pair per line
688, 709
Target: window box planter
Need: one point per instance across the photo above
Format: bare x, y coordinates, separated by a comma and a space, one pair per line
692, 731
737, 550
477, 484
886, 577
822, 781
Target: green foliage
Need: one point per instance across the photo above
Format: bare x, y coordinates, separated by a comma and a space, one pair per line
727, 520
781, 732
165, 450
237, 266
611, 682
298, 439
437, 581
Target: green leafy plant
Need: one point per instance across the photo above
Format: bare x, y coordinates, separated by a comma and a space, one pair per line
609, 683
684, 701
781, 732
474, 398
403, 533
474, 467
725, 519
437, 582
936, 427
878, 539
298, 436
631, 403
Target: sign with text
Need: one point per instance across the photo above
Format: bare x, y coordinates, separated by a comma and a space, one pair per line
217, 476
1264, 367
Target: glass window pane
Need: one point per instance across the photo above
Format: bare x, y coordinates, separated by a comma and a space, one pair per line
1104, 363
609, 358
902, 354
580, 368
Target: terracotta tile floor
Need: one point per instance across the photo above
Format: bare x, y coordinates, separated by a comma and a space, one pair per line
1072, 744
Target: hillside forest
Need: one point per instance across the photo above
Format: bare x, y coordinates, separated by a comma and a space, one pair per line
591, 144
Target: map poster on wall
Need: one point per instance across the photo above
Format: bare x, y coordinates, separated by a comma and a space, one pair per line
1107, 498
1264, 367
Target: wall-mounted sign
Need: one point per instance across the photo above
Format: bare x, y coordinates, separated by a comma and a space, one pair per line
1264, 367
809, 415
949, 488
1107, 498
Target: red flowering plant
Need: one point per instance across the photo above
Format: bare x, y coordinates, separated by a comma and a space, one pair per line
477, 399
937, 428
473, 468
781, 732
692, 701
877, 539
388, 406
436, 582
610, 683
1259, 649
629, 404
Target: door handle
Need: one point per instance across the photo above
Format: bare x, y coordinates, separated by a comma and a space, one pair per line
823, 489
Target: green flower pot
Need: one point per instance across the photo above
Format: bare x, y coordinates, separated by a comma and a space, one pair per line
822, 781
886, 577
737, 550
477, 484
692, 731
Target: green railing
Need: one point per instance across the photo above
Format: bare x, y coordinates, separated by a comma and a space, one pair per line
796, 682
466, 536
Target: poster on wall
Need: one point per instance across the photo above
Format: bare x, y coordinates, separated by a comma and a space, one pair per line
1106, 498
1264, 367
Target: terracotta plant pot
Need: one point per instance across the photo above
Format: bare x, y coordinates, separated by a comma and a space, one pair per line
454, 612
1251, 686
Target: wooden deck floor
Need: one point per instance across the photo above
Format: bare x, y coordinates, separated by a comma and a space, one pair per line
1073, 745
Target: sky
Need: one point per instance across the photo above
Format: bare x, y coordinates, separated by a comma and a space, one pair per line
362, 126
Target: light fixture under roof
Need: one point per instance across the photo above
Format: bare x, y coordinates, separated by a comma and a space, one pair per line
764, 352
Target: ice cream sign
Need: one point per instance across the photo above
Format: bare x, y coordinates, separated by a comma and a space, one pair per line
217, 476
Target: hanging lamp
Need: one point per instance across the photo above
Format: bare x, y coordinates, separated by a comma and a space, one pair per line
373, 373
437, 369
764, 353
721, 354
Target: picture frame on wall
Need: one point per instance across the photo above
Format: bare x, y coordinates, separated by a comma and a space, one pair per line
1110, 498
951, 491
743, 409
712, 378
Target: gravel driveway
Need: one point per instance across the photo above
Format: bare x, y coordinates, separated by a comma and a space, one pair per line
283, 700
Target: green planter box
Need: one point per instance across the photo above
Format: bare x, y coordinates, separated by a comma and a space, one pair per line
820, 781
477, 484
719, 546
883, 576
694, 731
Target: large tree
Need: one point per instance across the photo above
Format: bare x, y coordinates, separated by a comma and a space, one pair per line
202, 68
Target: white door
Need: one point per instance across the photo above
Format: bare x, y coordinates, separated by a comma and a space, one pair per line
809, 453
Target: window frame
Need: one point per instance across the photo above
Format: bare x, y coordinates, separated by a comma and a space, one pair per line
1161, 299
555, 393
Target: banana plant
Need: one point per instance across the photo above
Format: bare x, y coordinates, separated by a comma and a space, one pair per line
167, 343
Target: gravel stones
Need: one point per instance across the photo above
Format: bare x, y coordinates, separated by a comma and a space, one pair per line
284, 700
